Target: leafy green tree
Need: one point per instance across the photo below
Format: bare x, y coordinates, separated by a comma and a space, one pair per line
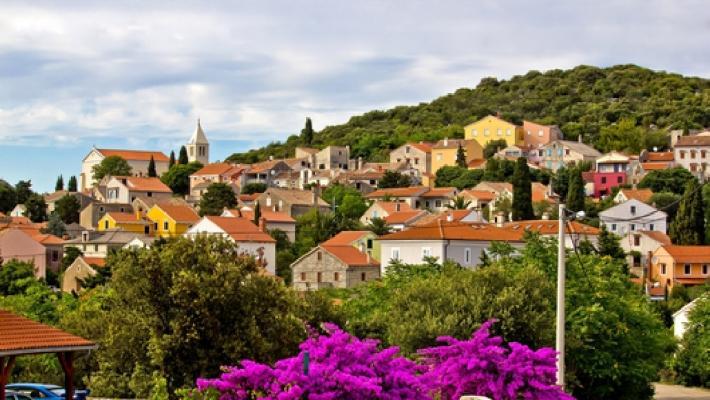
113, 166
522, 191
178, 177
72, 185
16, 277
468, 179
307, 132
171, 162
394, 179
493, 147
608, 245
183, 159
60, 184
458, 203
253, 187
575, 191
217, 197
70, 254
560, 182
668, 202
67, 208
36, 208
671, 180
23, 191
152, 173
498, 170
447, 175
8, 198
688, 227
55, 225
378, 226
461, 157
353, 206
692, 361
257, 213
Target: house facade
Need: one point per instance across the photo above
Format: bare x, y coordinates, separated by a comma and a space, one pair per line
492, 128
99, 244
125, 189
418, 155
91, 214
611, 172
639, 247
137, 159
681, 265
170, 220
292, 202
78, 271
128, 222
18, 244
445, 152
538, 135
692, 152
560, 153
631, 216
272, 219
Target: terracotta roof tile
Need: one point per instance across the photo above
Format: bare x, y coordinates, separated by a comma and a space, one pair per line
689, 254
47, 239
655, 165
475, 164
551, 227
99, 262
440, 192
642, 195
126, 218
241, 229
179, 213
351, 256
660, 237
134, 155
661, 156
345, 238
268, 215
440, 230
391, 206
19, 335
404, 217
483, 195
398, 192
693, 140
293, 196
214, 169
144, 184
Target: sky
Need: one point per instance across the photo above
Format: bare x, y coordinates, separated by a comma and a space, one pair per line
137, 74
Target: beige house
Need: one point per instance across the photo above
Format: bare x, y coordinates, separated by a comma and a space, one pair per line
214, 173
137, 159
91, 214
640, 246
291, 202
125, 189
418, 155
680, 265
692, 152
80, 269
99, 244
560, 153
333, 157
52, 198
344, 261
43, 251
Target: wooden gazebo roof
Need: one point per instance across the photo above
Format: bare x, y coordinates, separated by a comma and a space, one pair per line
20, 336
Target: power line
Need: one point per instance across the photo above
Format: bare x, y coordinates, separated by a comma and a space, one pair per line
668, 206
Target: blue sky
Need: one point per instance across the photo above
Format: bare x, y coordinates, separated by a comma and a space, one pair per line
138, 74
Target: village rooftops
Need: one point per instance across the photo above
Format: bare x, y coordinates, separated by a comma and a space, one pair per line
551, 227
215, 169
345, 238
134, 155
179, 213
442, 230
689, 254
144, 184
412, 191
20, 336
241, 229
268, 215
693, 140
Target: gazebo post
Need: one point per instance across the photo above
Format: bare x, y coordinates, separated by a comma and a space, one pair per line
66, 359
5, 368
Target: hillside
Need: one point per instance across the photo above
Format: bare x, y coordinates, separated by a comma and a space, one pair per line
616, 108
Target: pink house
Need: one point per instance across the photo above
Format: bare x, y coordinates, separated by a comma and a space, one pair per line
611, 172
537, 135
16, 244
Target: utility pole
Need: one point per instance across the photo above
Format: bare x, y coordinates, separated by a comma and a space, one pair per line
560, 331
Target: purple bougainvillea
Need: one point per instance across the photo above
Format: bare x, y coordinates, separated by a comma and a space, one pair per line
344, 367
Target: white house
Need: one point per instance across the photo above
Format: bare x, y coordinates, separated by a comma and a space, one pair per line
633, 215
680, 318
137, 159
640, 245
456, 241
125, 189
251, 239
18, 211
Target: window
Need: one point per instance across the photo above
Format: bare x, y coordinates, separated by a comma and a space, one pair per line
363, 276
426, 252
370, 243
319, 256
702, 153
682, 154
663, 269
416, 161
632, 227
150, 194
96, 247
613, 227
475, 132
540, 133
692, 154
566, 152
101, 209
303, 276
705, 269
55, 255
650, 227
394, 255
438, 156
618, 179
406, 150
320, 277
106, 224
686, 269
633, 210
508, 132
486, 132
437, 203
637, 240
467, 256
336, 276
166, 226
603, 180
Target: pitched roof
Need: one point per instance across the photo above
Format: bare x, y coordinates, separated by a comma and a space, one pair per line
20, 335
265, 165
689, 254
294, 196
398, 192
497, 187
309, 150
241, 229
660, 156
345, 238
442, 230
47, 239
551, 227
423, 146
643, 195
351, 256
455, 215
268, 215
214, 169
391, 206
145, 184
179, 213
539, 192
578, 147
476, 163
449, 144
134, 155
655, 166
109, 236
198, 137
440, 192
660, 237
99, 262
484, 195
404, 217
126, 218
613, 157
693, 140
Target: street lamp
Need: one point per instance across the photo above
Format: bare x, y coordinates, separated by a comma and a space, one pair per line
560, 328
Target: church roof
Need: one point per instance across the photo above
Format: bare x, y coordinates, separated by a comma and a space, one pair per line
199, 136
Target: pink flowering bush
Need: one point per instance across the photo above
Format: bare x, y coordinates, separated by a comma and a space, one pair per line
343, 367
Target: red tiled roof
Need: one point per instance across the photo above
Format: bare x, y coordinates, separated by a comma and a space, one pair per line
403, 217
391, 206
689, 254
19, 335
214, 169
179, 213
45, 238
145, 184
125, 218
480, 194
440, 192
551, 227
249, 197
268, 215
642, 195
345, 238
134, 155
398, 192
351, 256
475, 164
660, 237
99, 262
655, 166
661, 156
441, 230
241, 229
693, 140
424, 146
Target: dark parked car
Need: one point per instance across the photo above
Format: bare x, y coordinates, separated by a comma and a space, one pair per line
10, 395
38, 391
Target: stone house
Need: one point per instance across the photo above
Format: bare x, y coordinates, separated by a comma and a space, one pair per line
292, 202
418, 155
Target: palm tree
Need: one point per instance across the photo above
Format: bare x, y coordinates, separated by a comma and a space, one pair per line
378, 226
458, 203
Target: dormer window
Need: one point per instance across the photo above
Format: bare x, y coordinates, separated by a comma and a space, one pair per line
633, 210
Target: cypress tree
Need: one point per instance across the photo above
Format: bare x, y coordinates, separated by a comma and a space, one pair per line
151, 168
60, 184
522, 191
575, 190
461, 157
172, 159
72, 185
307, 132
608, 244
688, 227
257, 213
183, 156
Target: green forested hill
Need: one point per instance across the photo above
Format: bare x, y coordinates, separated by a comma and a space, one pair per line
624, 107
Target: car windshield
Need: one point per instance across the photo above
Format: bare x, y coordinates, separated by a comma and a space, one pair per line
56, 390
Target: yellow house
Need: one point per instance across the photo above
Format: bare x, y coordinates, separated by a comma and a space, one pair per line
125, 221
172, 219
445, 152
493, 128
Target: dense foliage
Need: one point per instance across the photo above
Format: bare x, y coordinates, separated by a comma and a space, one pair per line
113, 166
217, 197
522, 191
178, 177
692, 362
614, 108
688, 226
67, 208
671, 180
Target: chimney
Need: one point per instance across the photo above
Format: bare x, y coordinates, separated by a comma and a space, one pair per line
579, 138
446, 141
546, 215
359, 163
500, 219
262, 224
